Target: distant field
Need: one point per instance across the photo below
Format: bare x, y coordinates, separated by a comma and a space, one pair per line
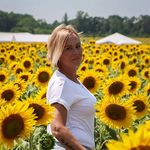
143, 40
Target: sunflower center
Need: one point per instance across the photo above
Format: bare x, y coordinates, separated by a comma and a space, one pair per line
141, 147
24, 77
2, 77
43, 96
12, 57
146, 74
38, 110
146, 61
140, 106
89, 82
132, 73
115, 112
122, 65
43, 77
133, 85
116, 87
27, 64
106, 61
18, 70
8, 95
12, 126
99, 70
83, 68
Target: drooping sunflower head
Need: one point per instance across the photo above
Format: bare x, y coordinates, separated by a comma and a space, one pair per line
43, 111
16, 121
116, 86
140, 104
115, 113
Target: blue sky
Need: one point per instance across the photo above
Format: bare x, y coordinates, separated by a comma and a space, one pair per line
51, 10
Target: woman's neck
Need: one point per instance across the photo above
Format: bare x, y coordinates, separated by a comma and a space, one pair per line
71, 74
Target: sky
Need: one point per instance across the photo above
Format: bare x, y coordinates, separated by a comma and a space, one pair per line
51, 10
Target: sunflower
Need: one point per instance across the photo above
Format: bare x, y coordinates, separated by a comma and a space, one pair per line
15, 121
9, 92
26, 76
116, 86
12, 57
131, 71
145, 73
139, 140
147, 89
102, 69
134, 83
105, 60
91, 80
27, 63
115, 113
141, 104
42, 110
42, 76
3, 76
22, 84
42, 93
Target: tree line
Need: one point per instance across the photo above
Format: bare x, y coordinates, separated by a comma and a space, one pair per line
90, 26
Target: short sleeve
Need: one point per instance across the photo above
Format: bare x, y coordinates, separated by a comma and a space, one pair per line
59, 92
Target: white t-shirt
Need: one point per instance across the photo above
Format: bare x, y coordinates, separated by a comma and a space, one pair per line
79, 103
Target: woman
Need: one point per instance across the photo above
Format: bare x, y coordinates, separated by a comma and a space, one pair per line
73, 124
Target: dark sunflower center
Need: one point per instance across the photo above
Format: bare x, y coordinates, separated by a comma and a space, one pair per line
38, 110
115, 112
99, 70
141, 147
133, 85
12, 126
43, 96
122, 65
146, 74
106, 61
8, 95
146, 61
89, 82
25, 77
83, 68
139, 105
148, 91
132, 73
27, 64
2, 77
12, 57
19, 70
115, 87
43, 77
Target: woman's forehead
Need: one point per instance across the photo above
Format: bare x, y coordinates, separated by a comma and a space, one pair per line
73, 38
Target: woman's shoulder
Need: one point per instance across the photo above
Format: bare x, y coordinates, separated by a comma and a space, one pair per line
57, 79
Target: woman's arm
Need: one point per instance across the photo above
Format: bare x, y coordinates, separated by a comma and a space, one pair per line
60, 131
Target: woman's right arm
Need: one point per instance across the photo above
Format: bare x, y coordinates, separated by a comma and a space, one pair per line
60, 131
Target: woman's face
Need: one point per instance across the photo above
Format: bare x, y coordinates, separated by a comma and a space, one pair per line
72, 53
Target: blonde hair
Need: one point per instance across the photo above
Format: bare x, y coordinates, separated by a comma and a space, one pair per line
57, 42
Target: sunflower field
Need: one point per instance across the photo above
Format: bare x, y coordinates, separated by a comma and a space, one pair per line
118, 76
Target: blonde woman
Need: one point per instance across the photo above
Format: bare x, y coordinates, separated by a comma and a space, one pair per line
73, 124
